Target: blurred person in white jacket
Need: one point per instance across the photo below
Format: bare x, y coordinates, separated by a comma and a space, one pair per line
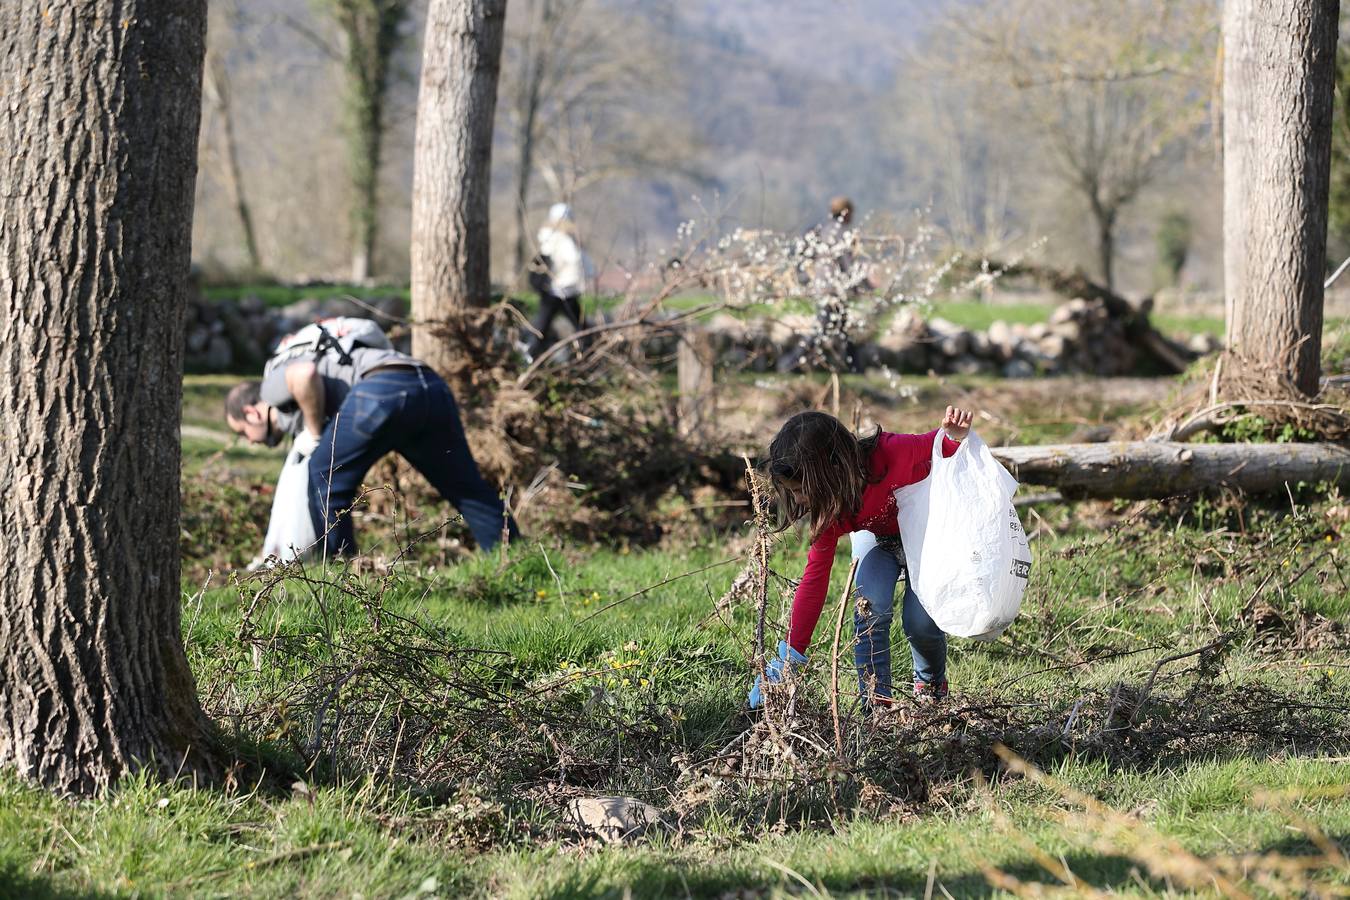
559, 275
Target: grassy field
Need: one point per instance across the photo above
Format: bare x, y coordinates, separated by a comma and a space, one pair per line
1152, 588
274, 294
563, 670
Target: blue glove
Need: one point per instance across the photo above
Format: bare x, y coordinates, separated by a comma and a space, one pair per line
787, 660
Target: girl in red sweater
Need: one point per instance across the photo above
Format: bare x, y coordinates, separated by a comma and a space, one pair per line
840, 484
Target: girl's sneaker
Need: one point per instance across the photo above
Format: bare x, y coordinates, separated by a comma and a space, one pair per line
929, 691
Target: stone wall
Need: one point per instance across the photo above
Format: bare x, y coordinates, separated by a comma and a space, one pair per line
1080, 337
238, 336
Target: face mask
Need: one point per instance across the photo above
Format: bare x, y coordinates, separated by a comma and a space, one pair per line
273, 435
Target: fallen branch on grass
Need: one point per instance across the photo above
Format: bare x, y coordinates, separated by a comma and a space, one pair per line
1143, 469
1209, 418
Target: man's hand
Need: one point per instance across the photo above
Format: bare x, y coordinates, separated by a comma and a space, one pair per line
956, 423
306, 442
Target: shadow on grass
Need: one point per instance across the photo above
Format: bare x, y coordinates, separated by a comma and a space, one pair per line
1106, 872
15, 882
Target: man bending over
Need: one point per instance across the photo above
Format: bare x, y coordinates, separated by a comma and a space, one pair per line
348, 407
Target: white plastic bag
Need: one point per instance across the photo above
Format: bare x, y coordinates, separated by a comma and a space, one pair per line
967, 554
290, 531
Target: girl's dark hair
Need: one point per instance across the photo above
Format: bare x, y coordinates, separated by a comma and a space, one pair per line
831, 464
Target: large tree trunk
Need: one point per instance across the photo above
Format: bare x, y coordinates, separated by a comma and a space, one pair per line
99, 125
451, 172
1279, 73
1141, 469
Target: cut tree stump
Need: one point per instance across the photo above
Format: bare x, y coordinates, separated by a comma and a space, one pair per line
1143, 469
695, 361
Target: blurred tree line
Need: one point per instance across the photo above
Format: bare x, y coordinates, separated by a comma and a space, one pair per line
1092, 125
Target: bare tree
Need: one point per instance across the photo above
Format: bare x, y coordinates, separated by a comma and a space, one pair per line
1279, 79
371, 34
533, 57
451, 249
954, 161
220, 105
1106, 89
100, 126
579, 81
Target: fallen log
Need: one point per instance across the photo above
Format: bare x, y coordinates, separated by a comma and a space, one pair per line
1142, 469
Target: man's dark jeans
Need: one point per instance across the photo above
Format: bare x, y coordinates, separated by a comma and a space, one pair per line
412, 412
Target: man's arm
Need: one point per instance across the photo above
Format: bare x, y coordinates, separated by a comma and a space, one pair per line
306, 387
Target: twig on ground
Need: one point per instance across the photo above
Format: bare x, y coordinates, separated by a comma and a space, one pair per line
652, 587
1217, 644
834, 659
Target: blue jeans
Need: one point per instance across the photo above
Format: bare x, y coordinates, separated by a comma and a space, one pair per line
411, 412
876, 579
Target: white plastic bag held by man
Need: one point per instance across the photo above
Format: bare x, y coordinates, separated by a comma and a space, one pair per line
290, 530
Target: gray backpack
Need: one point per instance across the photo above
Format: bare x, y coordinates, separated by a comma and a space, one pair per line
340, 335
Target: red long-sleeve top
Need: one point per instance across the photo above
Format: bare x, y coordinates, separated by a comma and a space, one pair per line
898, 460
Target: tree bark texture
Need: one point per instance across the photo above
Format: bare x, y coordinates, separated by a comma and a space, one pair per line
1279, 75
100, 103
451, 170
1139, 469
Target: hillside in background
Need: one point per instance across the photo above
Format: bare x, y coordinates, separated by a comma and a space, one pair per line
762, 112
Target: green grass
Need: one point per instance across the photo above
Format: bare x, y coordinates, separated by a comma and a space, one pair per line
1158, 585
979, 316
1173, 324
147, 839
276, 295
1147, 587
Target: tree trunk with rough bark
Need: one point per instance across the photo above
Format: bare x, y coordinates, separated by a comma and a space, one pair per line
1139, 469
1279, 75
99, 123
451, 173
